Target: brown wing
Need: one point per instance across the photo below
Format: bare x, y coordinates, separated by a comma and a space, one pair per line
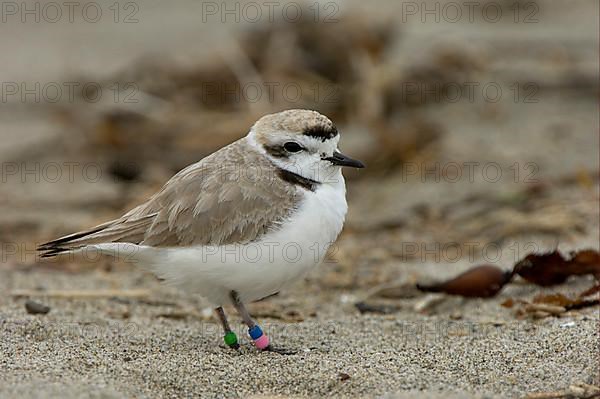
233, 195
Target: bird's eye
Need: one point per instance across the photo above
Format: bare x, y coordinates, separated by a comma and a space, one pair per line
291, 146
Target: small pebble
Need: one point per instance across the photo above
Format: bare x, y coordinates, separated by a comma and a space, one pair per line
568, 324
33, 307
456, 316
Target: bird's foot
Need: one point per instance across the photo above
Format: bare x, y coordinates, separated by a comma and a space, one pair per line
261, 341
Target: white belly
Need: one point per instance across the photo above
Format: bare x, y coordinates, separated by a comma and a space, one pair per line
259, 269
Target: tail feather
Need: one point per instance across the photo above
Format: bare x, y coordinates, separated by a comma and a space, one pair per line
131, 231
68, 239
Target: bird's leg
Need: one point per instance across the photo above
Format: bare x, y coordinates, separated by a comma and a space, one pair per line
230, 338
261, 341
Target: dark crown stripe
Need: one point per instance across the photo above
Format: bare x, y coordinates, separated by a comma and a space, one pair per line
321, 132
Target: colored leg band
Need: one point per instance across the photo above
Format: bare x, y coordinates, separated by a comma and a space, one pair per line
260, 340
230, 339
255, 332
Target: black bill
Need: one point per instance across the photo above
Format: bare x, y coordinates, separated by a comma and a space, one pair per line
342, 160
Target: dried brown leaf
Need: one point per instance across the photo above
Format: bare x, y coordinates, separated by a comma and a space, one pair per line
590, 291
553, 268
552, 305
542, 269
509, 303
483, 281
586, 261
536, 308
553, 299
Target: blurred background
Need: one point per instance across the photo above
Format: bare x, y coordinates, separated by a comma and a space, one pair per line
468, 116
478, 122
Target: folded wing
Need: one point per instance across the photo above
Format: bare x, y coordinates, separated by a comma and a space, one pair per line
231, 196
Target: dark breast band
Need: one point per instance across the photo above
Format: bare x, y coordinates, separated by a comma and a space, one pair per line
296, 179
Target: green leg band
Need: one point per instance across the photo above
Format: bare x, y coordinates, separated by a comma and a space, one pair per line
231, 339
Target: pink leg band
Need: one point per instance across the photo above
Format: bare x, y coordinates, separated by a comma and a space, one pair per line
262, 342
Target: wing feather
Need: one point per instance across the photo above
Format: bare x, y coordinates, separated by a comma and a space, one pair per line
231, 196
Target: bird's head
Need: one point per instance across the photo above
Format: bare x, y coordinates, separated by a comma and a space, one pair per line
303, 142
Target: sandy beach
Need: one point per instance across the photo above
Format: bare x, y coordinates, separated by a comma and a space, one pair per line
528, 183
